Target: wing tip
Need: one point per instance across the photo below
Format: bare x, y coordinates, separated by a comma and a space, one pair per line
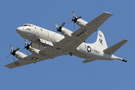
109, 13
8, 67
125, 39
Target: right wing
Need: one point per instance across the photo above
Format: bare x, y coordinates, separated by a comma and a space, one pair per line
47, 53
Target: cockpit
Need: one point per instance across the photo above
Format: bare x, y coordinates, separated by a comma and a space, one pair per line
30, 25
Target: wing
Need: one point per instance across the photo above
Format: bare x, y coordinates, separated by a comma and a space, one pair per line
85, 32
45, 54
70, 44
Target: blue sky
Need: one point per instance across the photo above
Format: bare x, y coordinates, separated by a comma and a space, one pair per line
68, 72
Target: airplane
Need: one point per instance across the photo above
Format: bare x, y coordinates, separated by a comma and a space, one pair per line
46, 44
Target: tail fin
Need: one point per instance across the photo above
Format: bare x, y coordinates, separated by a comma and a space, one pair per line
115, 47
101, 42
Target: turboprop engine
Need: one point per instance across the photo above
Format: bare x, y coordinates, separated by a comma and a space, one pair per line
78, 21
16, 53
63, 30
66, 32
30, 48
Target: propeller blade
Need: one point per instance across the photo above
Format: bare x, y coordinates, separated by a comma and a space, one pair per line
17, 49
62, 24
74, 25
79, 17
59, 28
8, 56
13, 52
56, 26
73, 14
25, 41
69, 22
13, 58
11, 47
22, 49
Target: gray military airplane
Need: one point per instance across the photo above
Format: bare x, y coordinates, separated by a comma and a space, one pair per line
66, 43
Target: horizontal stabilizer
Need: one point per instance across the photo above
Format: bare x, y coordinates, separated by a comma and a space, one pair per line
115, 47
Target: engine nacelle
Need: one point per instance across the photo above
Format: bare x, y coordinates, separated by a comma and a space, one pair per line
34, 50
81, 22
20, 55
66, 32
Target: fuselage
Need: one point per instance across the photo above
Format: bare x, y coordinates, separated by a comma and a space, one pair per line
84, 50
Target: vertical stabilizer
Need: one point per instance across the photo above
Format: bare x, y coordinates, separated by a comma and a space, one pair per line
101, 42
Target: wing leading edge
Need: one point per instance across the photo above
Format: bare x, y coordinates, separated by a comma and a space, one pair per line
45, 54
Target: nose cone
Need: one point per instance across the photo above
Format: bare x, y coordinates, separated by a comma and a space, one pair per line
19, 30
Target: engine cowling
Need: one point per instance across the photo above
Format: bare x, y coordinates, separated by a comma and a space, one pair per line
16, 53
33, 50
30, 48
20, 55
81, 23
66, 32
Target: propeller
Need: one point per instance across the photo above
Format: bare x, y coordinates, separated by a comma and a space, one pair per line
59, 28
27, 46
12, 52
74, 19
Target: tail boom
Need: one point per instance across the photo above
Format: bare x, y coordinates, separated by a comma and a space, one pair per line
123, 60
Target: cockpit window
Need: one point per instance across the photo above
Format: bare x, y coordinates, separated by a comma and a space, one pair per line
27, 25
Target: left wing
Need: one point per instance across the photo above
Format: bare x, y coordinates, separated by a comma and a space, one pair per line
86, 31
80, 35
47, 53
